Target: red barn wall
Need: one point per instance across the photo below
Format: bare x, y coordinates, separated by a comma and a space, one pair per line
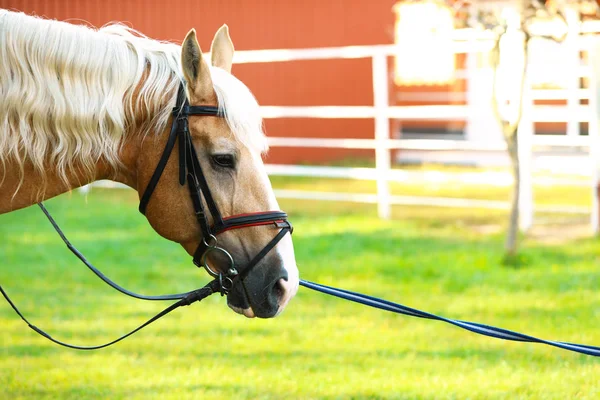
265, 24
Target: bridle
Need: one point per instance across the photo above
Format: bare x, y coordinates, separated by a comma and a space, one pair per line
190, 170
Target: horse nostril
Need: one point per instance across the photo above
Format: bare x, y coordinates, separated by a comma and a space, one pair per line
276, 298
284, 290
279, 289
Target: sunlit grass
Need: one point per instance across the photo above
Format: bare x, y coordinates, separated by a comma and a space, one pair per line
441, 260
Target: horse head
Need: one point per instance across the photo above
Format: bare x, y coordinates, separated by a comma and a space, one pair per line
227, 147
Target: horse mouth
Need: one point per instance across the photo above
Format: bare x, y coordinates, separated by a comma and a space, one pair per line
256, 303
237, 300
246, 312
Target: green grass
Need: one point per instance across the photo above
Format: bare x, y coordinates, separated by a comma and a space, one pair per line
441, 260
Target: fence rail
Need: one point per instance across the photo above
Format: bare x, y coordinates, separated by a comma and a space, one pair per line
466, 41
426, 144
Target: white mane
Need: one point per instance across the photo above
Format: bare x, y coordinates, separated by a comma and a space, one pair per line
69, 94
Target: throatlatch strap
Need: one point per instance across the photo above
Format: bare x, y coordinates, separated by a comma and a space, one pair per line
160, 167
179, 129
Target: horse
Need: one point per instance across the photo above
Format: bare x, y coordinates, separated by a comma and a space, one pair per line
80, 104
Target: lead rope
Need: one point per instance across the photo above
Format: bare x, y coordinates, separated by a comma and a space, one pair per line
370, 301
481, 329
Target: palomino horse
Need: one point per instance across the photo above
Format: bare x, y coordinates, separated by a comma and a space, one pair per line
79, 105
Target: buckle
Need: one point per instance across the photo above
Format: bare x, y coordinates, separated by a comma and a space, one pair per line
282, 224
285, 224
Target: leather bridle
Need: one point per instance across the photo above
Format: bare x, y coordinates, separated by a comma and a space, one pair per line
191, 171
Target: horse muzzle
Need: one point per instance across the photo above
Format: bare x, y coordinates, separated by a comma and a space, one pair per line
263, 293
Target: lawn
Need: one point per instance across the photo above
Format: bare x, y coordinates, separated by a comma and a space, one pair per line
440, 260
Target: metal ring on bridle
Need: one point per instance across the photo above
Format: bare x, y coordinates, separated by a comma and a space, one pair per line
211, 238
226, 284
230, 271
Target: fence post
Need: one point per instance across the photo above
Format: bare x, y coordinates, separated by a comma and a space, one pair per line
525, 150
573, 59
594, 134
382, 132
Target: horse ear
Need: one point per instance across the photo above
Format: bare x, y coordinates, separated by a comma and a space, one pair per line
195, 68
221, 49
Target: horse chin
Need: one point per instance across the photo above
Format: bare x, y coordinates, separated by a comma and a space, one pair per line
247, 312
237, 301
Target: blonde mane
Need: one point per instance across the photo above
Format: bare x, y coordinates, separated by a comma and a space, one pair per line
69, 93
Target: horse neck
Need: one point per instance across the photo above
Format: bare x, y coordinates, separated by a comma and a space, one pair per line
24, 186
21, 181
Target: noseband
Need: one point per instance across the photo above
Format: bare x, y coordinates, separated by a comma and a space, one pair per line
191, 171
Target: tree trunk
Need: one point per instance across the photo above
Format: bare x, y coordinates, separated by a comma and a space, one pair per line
510, 246
510, 123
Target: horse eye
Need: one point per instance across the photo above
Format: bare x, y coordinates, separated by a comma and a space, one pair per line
224, 160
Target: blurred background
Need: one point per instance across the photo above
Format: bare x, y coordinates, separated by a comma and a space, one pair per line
444, 154
318, 68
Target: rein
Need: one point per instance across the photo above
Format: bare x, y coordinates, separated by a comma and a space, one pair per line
190, 171
184, 299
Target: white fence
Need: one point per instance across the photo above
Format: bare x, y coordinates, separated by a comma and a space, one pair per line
382, 113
